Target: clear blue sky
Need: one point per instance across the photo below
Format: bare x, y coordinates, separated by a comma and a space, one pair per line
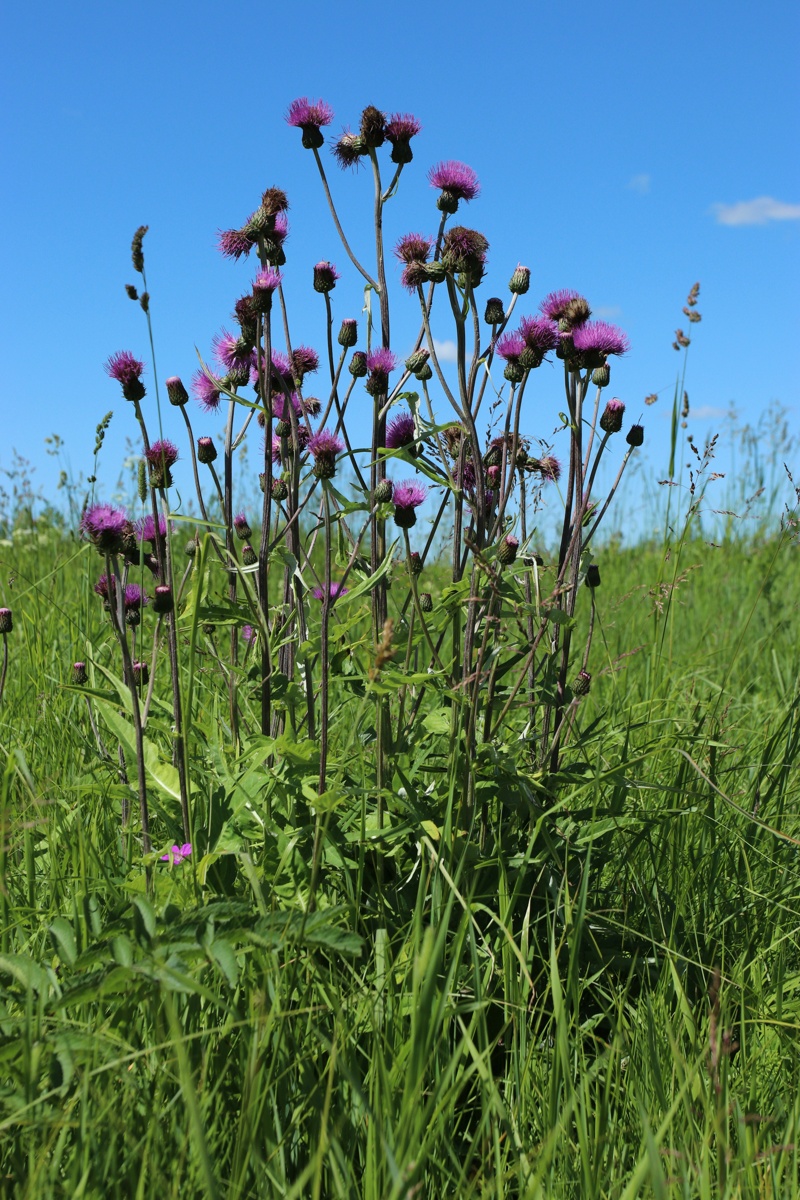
624, 149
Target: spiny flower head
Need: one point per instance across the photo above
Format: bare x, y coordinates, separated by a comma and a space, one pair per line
145, 528
520, 281
348, 333
414, 247
233, 354
415, 274
548, 467
539, 336
206, 391
349, 149
242, 527
373, 127
456, 181
106, 527
400, 432
510, 346
206, 450
265, 283
127, 371
611, 419
324, 446
406, 498
161, 456
336, 590
325, 276
176, 392
134, 597
566, 306
399, 130
465, 250
597, 339
304, 362
310, 116
380, 363
234, 243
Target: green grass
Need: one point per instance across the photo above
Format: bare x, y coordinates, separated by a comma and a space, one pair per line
537, 1014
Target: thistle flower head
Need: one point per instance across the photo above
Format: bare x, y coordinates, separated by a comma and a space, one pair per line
400, 432
548, 467
510, 346
379, 365
176, 392
400, 129
414, 247
325, 277
520, 281
358, 364
372, 128
406, 498
611, 418
234, 243
206, 450
163, 601
348, 333
635, 435
134, 597
324, 446
595, 340
79, 675
265, 283
242, 526
538, 333
232, 353
161, 457
206, 391
106, 527
349, 149
304, 362
127, 371
336, 590
145, 528
456, 181
565, 304
465, 250
310, 116
507, 549
415, 274
249, 634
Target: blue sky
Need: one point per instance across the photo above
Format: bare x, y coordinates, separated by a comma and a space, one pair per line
623, 149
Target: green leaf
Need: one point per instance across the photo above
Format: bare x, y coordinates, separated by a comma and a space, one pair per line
438, 721
63, 937
163, 774
25, 971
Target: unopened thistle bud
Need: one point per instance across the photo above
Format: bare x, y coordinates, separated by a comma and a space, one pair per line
162, 599
206, 450
495, 311
424, 373
79, 676
415, 563
241, 527
176, 392
601, 375
279, 489
507, 549
435, 272
611, 420
141, 673
635, 435
6, 620
383, 491
593, 576
348, 333
142, 480
283, 429
249, 556
358, 365
514, 372
191, 548
426, 602
581, 683
325, 276
520, 281
416, 361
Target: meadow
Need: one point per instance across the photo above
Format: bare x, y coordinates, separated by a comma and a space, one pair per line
368, 853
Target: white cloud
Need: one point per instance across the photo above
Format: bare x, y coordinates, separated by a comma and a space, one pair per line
708, 412
606, 311
640, 184
446, 351
756, 212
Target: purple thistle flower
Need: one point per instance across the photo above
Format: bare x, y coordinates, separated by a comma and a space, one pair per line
106, 586
276, 449
127, 371
548, 466
231, 353
538, 333
510, 346
555, 304
304, 362
414, 247
456, 181
106, 527
400, 432
399, 130
177, 854
324, 446
379, 364
249, 634
134, 597
336, 590
234, 243
325, 277
146, 528
414, 275
264, 284
406, 498
611, 418
597, 339
309, 116
206, 391
161, 457
242, 526
465, 250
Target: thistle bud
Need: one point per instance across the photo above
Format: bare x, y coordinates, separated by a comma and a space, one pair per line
358, 365
507, 549
383, 492
601, 375
279, 489
325, 276
426, 602
6, 620
435, 272
416, 361
191, 548
242, 527
424, 373
79, 675
495, 311
283, 429
162, 599
581, 683
593, 576
141, 673
415, 563
635, 435
348, 333
206, 450
520, 281
514, 372
611, 420
249, 556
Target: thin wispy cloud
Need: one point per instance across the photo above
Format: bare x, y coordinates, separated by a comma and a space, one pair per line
640, 184
446, 351
760, 211
708, 412
607, 311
